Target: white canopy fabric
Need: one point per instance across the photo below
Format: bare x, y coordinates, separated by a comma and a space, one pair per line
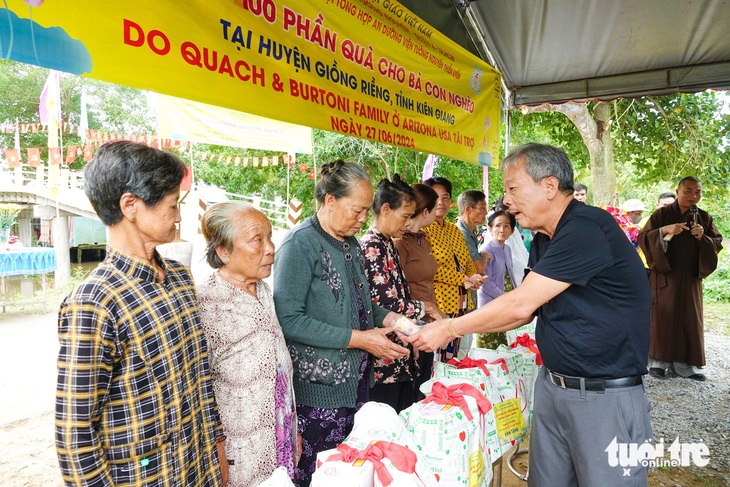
562, 50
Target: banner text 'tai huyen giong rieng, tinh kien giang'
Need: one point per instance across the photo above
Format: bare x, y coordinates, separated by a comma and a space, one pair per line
367, 68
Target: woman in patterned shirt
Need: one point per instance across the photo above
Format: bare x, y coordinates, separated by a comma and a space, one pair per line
456, 273
393, 206
252, 370
323, 303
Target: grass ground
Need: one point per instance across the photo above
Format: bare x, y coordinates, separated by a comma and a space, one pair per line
717, 318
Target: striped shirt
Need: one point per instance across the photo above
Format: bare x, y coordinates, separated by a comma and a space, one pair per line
134, 398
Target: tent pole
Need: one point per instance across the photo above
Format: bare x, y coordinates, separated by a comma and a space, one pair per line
508, 126
288, 176
314, 160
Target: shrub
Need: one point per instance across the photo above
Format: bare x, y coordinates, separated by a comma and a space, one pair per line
717, 286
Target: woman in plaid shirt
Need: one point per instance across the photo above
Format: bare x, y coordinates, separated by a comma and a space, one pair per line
134, 400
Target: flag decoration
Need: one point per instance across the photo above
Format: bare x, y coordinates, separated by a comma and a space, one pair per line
94, 138
49, 107
71, 153
187, 182
13, 157
54, 155
34, 157
88, 153
428, 167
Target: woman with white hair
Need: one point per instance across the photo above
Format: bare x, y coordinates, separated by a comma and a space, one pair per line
252, 370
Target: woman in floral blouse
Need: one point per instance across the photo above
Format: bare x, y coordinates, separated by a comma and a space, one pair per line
393, 207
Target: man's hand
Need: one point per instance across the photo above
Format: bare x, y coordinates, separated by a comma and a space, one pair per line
674, 229
697, 231
432, 336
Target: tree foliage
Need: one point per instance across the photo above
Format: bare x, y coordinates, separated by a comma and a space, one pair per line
656, 142
110, 108
667, 138
379, 161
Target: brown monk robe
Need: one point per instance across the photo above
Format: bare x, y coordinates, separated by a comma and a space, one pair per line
677, 269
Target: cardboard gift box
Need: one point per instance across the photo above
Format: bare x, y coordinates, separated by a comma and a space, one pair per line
448, 428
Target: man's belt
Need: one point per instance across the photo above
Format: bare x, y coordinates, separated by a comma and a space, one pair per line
567, 382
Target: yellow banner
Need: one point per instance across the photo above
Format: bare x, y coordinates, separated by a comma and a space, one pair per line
367, 68
180, 119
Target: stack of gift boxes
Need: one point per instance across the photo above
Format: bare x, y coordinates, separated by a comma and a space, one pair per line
474, 412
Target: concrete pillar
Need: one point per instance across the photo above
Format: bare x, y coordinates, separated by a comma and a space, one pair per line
25, 231
60, 243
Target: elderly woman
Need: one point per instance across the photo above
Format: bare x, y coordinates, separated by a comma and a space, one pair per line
323, 302
455, 271
519, 243
134, 400
393, 206
500, 273
252, 371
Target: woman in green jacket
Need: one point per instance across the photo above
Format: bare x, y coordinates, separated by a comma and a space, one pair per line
323, 303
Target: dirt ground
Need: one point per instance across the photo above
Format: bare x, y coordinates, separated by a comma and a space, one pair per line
27, 456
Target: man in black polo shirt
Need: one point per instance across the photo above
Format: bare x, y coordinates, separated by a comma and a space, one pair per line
589, 291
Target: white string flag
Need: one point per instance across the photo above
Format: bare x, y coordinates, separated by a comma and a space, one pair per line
428, 167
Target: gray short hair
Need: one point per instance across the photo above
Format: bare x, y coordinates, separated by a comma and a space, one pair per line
337, 178
220, 228
470, 198
121, 167
542, 161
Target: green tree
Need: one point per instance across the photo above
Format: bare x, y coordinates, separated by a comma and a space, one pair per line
379, 161
111, 108
654, 142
